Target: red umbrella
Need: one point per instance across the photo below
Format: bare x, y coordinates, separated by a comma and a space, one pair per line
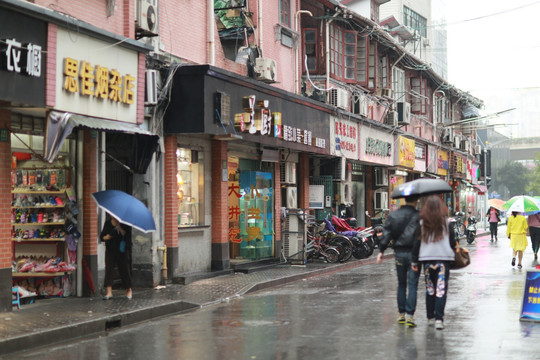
88, 276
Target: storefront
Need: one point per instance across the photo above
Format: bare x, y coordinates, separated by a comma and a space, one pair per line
22, 79
405, 161
260, 139
62, 147
376, 152
442, 171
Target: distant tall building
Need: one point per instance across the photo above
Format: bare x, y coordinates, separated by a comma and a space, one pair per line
420, 27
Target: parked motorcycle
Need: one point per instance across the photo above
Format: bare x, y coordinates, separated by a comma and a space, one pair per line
470, 230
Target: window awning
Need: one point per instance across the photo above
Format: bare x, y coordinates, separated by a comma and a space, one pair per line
61, 124
481, 189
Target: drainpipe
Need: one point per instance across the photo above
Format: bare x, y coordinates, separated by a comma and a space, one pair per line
259, 25
296, 72
211, 30
164, 264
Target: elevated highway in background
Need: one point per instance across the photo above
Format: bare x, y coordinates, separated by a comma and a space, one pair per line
525, 149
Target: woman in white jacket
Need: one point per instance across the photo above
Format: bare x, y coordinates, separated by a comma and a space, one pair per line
436, 251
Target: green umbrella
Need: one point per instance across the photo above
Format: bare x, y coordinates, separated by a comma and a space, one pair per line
522, 204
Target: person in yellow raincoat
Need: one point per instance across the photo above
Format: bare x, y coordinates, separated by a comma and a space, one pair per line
516, 231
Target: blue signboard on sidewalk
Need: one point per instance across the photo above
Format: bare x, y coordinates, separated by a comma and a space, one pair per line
530, 310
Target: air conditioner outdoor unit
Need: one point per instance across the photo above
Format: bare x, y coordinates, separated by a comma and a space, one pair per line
404, 113
292, 197
381, 176
391, 118
448, 136
151, 87
477, 150
381, 200
340, 171
360, 104
265, 70
457, 141
293, 238
346, 192
147, 16
465, 145
288, 172
339, 97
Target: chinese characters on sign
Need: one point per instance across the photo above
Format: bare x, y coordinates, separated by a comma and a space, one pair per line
378, 147
345, 137
406, 152
98, 81
21, 58
530, 309
258, 118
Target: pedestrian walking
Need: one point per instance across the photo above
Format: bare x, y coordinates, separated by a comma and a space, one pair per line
516, 231
494, 217
533, 221
436, 252
401, 227
117, 238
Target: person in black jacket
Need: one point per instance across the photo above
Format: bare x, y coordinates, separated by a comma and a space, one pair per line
402, 226
117, 238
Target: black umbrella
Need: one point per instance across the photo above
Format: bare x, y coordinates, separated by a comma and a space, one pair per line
421, 187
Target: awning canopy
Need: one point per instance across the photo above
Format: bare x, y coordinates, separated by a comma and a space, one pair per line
481, 189
61, 124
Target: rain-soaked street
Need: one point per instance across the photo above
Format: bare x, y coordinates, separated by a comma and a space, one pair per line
345, 315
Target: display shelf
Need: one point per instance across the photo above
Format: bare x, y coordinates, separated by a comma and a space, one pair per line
38, 240
40, 274
63, 222
34, 192
40, 207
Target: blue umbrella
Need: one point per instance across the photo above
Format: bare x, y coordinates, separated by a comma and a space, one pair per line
127, 209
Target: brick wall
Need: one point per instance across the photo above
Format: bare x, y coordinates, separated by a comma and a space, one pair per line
5, 194
95, 12
50, 73
171, 203
90, 185
220, 201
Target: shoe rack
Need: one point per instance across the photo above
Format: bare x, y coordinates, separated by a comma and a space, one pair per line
38, 219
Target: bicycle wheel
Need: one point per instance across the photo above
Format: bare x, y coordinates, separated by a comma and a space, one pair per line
331, 254
344, 245
359, 250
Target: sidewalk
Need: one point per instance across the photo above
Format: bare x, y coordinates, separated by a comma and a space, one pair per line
51, 321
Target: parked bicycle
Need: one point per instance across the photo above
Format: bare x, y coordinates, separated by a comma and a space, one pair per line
457, 223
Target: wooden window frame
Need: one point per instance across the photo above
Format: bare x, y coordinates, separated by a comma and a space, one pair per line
285, 12
362, 80
315, 47
338, 56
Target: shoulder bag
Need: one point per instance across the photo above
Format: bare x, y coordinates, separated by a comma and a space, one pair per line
462, 259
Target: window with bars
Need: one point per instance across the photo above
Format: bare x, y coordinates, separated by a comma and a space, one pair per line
285, 12
343, 53
415, 21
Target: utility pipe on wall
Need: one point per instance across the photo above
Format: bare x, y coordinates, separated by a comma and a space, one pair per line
211, 30
298, 48
327, 50
259, 25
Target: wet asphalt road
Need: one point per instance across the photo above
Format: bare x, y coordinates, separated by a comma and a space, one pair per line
346, 315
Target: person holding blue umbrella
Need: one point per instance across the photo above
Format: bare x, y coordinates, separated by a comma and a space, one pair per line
117, 238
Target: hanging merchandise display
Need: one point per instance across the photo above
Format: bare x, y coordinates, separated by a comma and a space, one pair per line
44, 232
